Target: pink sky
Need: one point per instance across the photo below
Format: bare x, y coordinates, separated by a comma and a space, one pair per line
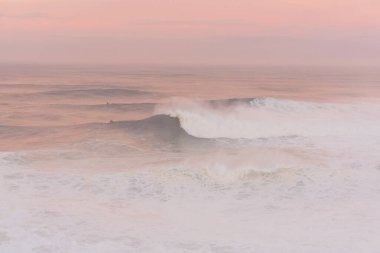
191, 31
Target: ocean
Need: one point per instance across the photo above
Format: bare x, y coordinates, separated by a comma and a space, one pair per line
221, 159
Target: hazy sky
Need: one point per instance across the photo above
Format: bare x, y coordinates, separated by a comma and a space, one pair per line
191, 31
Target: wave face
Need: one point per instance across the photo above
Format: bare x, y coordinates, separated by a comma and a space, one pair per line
270, 117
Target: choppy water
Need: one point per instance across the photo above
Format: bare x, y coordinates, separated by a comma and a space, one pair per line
180, 159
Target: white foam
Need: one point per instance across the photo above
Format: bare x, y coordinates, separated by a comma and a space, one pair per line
186, 208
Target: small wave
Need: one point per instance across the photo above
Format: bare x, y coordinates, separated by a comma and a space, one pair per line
118, 107
229, 102
86, 93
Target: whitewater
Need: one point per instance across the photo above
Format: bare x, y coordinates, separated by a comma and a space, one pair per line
149, 160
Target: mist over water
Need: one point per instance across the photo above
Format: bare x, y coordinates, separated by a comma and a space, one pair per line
189, 159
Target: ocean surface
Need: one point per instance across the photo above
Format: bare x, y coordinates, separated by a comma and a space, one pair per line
115, 159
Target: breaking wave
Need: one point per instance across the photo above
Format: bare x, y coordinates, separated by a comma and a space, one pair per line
268, 117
